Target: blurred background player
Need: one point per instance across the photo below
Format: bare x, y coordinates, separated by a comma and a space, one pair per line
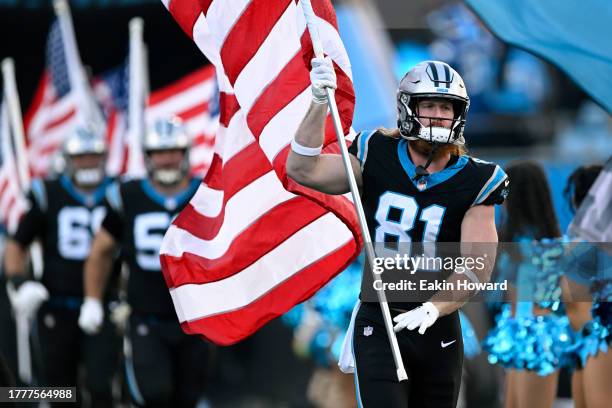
64, 215
164, 366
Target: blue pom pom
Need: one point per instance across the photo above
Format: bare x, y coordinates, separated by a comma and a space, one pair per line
535, 343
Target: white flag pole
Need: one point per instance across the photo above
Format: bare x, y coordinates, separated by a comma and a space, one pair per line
370, 255
21, 156
136, 101
12, 99
145, 72
79, 81
22, 324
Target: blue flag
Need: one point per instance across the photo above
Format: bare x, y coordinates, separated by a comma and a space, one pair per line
575, 36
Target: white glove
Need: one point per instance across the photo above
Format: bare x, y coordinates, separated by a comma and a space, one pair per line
422, 317
27, 298
322, 76
91, 316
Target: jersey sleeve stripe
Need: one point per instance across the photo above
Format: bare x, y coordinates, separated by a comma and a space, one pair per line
362, 153
494, 181
39, 193
114, 196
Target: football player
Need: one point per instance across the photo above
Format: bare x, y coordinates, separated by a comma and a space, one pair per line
418, 185
164, 366
64, 214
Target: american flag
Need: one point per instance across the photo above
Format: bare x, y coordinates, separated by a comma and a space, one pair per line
252, 243
13, 203
193, 98
54, 111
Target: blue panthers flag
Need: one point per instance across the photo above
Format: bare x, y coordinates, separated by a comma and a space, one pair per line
573, 35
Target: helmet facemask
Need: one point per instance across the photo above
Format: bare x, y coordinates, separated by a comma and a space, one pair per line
411, 127
431, 80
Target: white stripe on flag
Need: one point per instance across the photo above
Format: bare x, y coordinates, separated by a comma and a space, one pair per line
243, 209
259, 278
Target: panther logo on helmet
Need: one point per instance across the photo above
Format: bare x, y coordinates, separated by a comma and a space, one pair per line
431, 79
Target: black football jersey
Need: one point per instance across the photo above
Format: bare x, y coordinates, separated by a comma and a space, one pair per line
402, 209
138, 217
65, 220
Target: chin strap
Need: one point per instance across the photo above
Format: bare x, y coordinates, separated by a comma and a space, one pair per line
421, 171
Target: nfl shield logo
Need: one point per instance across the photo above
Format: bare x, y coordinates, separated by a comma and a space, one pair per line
422, 184
367, 331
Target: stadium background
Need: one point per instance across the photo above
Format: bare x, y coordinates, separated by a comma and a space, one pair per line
525, 108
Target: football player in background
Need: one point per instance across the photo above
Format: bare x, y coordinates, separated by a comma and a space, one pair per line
164, 366
64, 215
418, 185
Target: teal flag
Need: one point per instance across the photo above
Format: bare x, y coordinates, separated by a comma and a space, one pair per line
575, 36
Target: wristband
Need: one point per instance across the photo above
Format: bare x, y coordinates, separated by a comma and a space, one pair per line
305, 150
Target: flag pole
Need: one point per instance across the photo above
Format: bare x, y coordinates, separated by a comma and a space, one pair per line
137, 89
370, 254
79, 80
11, 118
12, 99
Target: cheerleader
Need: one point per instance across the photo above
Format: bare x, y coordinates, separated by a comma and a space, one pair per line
588, 306
530, 336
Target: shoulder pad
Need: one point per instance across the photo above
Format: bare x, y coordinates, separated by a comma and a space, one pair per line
39, 192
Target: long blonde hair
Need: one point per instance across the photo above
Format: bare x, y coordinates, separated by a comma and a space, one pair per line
424, 147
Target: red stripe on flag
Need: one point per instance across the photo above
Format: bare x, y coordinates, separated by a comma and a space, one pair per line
61, 119
228, 107
39, 97
195, 110
290, 82
249, 32
185, 12
110, 127
4, 184
199, 170
231, 327
10, 205
49, 149
204, 5
244, 168
213, 178
242, 253
188, 81
203, 140
325, 11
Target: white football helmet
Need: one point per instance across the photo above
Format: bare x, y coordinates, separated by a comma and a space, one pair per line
85, 140
167, 134
431, 79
